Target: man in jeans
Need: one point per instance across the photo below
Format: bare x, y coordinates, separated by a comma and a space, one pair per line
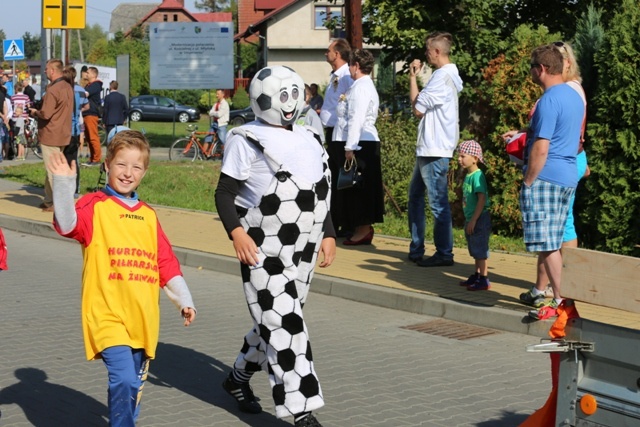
438, 133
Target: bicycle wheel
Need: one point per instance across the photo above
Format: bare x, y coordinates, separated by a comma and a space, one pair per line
102, 134
34, 145
183, 149
217, 149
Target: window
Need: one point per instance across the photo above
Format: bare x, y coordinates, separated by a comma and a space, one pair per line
164, 102
175, 18
327, 13
165, 18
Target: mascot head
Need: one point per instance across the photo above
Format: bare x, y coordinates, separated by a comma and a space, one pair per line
277, 95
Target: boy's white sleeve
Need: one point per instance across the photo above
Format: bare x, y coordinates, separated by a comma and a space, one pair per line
178, 292
63, 203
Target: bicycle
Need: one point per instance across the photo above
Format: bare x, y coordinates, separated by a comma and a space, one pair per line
190, 147
31, 138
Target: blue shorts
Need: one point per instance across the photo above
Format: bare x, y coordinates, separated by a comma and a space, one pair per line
478, 242
544, 208
570, 228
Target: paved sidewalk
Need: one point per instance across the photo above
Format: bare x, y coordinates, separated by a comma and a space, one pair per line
379, 274
374, 370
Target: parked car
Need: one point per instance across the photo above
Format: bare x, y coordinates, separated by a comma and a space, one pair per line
240, 117
153, 107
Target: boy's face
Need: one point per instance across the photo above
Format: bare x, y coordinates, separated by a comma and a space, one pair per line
467, 160
126, 170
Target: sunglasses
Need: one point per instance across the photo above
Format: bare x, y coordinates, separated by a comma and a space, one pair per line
558, 44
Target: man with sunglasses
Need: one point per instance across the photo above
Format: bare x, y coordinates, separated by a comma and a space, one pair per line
550, 171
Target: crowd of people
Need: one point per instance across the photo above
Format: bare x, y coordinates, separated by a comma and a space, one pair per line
297, 151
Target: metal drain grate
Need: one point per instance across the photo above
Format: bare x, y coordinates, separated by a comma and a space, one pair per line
451, 329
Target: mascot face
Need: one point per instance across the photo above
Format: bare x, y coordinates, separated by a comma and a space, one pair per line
277, 95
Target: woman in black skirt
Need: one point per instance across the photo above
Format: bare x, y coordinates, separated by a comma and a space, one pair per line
358, 207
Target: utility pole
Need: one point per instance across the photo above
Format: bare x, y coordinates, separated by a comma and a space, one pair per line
353, 20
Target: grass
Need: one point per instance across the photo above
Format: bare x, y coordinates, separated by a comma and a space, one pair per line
162, 134
190, 185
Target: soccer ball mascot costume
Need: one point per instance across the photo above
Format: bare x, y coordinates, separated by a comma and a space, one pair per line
273, 199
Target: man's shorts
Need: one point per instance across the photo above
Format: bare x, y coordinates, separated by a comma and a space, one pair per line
544, 208
478, 242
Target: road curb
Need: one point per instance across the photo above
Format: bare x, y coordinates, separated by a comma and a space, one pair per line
397, 299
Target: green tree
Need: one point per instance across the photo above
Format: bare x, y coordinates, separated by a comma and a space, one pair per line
240, 99
3, 36
613, 189
31, 46
588, 41
505, 96
213, 5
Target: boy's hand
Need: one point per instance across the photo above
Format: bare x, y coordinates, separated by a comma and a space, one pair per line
58, 165
189, 315
471, 226
327, 251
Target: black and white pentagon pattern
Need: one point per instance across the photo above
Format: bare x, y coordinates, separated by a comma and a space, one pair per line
289, 223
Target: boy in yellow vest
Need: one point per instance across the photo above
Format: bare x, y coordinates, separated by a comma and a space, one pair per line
127, 259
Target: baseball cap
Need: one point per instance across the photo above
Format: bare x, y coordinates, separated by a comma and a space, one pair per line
114, 131
472, 148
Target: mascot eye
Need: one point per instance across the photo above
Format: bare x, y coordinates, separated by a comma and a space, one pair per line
294, 93
284, 97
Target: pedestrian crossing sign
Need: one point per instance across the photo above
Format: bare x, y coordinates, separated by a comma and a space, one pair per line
13, 49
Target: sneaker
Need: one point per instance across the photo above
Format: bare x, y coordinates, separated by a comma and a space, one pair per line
308, 421
482, 284
434, 261
243, 394
548, 291
549, 309
470, 281
528, 298
91, 164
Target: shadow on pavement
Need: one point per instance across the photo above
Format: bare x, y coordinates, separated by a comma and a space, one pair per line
51, 405
508, 419
201, 376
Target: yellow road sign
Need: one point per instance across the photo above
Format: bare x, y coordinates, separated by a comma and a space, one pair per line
63, 13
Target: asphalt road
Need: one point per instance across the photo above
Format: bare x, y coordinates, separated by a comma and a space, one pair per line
373, 372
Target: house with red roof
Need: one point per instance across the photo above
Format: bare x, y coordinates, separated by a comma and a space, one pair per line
292, 33
128, 15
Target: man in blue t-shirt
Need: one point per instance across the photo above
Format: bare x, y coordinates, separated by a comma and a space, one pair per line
550, 172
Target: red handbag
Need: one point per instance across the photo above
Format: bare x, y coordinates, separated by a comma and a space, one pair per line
515, 147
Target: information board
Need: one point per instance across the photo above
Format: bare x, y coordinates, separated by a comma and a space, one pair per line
191, 55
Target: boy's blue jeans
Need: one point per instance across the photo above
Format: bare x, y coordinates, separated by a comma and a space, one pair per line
127, 371
430, 176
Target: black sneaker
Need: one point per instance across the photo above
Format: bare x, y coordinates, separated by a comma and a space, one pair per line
243, 394
308, 421
434, 261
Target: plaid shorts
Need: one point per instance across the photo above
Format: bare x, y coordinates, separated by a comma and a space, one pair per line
544, 208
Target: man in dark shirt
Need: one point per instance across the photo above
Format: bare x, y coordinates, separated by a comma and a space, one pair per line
115, 108
29, 91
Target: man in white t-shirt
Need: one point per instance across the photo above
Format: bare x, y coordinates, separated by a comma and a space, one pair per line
437, 108
340, 81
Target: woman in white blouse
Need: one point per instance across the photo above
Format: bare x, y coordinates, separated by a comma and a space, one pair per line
358, 207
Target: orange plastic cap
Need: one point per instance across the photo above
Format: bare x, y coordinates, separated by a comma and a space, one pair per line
588, 404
